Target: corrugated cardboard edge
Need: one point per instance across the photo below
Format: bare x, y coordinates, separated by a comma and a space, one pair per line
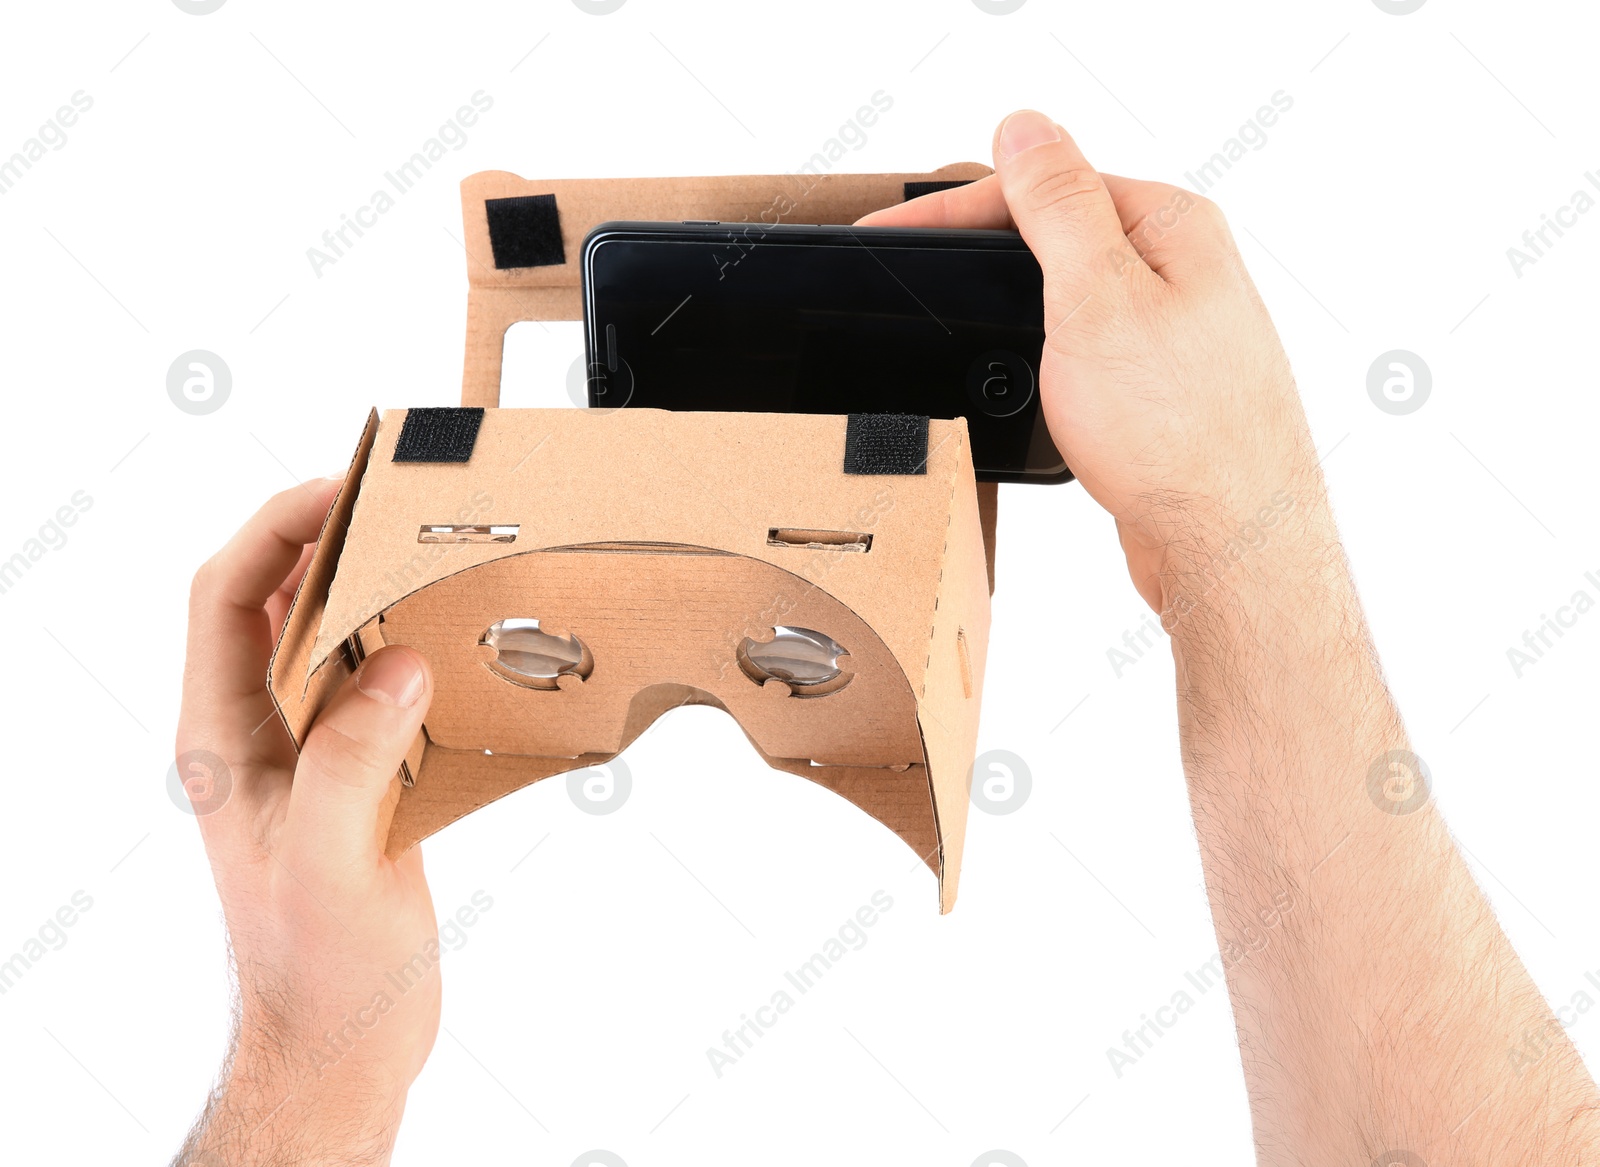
493, 777
950, 702
298, 693
988, 515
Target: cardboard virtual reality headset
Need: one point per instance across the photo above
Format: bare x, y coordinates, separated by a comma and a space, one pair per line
572, 574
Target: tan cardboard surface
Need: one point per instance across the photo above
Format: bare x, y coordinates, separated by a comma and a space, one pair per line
649, 618
715, 480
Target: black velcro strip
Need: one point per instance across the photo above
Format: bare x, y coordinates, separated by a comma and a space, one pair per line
886, 443
915, 190
438, 435
525, 231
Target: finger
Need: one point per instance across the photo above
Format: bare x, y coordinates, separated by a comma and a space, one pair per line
1060, 205
1176, 232
979, 204
346, 781
227, 710
228, 625
280, 601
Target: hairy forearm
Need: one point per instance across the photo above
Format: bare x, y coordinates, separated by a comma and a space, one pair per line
1379, 1006
269, 1111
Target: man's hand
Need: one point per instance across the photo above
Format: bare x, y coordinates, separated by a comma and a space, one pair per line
1163, 382
335, 1015
1383, 1017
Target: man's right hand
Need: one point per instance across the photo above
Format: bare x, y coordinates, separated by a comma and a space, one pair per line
1163, 381
1379, 1005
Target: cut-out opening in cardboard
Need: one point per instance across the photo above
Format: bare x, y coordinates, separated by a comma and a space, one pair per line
468, 533
542, 365
523, 652
819, 540
808, 663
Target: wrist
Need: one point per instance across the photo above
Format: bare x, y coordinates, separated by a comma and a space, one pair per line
1273, 556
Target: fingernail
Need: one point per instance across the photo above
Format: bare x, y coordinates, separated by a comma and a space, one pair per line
1024, 130
393, 677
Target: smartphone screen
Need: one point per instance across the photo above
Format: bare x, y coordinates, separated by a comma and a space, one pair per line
800, 319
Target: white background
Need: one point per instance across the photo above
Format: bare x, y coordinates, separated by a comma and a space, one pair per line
177, 216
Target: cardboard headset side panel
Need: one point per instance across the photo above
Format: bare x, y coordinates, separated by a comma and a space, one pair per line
923, 800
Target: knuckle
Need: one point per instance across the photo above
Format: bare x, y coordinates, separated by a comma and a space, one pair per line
1110, 323
1062, 187
340, 758
1179, 211
204, 583
1208, 214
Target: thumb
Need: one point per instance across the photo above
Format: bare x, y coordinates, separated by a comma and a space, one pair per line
346, 781
1061, 206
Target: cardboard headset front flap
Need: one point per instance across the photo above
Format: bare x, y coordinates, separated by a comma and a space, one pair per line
663, 577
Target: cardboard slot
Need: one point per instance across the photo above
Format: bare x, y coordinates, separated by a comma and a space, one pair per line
964, 662
816, 765
819, 540
468, 533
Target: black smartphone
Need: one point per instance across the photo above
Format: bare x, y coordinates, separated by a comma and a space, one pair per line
754, 317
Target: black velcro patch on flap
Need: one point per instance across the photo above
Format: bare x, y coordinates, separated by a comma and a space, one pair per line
525, 231
445, 434
886, 443
915, 190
